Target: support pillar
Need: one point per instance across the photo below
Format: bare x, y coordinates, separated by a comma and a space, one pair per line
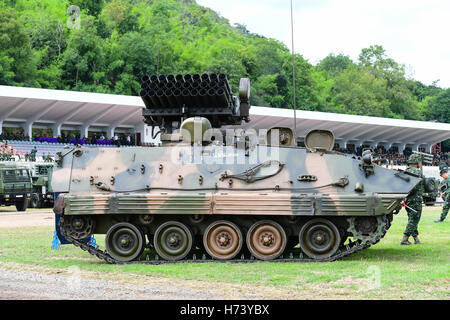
28, 130
56, 130
110, 133
373, 145
428, 148
84, 131
388, 145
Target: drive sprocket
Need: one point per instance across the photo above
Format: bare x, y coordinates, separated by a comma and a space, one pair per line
368, 230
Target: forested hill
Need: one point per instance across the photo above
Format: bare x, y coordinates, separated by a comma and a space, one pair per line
110, 44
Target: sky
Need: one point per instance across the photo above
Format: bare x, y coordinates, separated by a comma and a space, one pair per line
415, 33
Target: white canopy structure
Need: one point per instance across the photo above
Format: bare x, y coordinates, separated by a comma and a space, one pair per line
84, 111
356, 130
57, 109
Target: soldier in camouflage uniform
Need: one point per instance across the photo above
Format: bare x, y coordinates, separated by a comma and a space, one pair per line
414, 201
33, 154
446, 193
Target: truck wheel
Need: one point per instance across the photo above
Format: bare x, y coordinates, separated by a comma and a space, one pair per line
22, 205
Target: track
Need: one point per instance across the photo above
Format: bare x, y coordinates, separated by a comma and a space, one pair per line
295, 255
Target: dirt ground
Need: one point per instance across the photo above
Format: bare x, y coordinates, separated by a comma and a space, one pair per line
34, 218
40, 284
36, 283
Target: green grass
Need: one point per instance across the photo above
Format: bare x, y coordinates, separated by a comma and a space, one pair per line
405, 272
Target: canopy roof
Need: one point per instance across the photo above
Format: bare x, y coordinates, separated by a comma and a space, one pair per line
25, 105
352, 128
31, 106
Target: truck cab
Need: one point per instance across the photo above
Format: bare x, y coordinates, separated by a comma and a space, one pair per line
42, 194
15, 186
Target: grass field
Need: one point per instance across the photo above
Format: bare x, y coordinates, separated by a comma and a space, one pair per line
384, 271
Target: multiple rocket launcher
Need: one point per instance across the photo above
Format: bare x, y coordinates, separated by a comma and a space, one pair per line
173, 97
158, 92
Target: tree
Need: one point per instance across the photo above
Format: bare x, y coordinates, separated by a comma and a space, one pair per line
17, 61
6, 74
440, 107
121, 40
361, 93
84, 56
128, 58
268, 91
113, 13
334, 64
399, 89
91, 7
305, 85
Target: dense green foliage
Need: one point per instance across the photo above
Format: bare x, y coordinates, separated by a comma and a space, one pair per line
111, 44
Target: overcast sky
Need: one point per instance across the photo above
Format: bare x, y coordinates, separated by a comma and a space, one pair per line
415, 33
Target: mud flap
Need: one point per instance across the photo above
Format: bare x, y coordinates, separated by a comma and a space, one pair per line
61, 238
58, 230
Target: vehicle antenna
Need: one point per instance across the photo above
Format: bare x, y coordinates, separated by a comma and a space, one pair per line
293, 76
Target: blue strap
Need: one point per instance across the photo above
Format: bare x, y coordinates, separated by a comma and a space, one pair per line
56, 244
93, 242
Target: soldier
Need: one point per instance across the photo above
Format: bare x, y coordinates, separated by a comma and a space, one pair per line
414, 201
446, 193
33, 154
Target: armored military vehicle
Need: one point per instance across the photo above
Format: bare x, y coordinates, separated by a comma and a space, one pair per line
15, 185
214, 192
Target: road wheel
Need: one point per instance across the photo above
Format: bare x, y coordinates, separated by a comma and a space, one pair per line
266, 240
222, 240
124, 242
173, 240
319, 238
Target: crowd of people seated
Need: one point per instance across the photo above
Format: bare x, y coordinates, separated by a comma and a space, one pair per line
392, 156
9, 153
117, 140
13, 137
441, 157
124, 140
383, 156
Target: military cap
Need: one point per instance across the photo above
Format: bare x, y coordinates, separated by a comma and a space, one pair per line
443, 170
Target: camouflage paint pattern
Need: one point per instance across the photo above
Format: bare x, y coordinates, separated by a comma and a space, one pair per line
162, 180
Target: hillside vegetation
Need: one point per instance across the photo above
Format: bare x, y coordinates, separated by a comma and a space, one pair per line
111, 44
